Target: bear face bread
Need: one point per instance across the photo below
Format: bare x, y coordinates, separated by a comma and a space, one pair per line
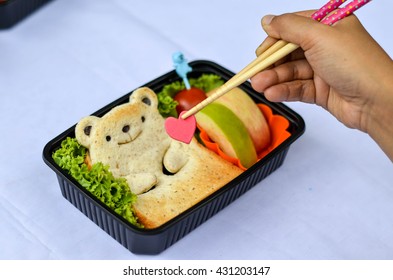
168, 176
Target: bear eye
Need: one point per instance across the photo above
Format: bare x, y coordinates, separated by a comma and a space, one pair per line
108, 138
87, 130
143, 118
126, 128
147, 101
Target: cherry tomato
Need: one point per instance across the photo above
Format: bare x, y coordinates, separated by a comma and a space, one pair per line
188, 98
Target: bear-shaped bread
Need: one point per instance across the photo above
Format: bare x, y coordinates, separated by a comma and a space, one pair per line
167, 176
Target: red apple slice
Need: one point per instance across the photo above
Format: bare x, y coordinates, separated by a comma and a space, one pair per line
242, 105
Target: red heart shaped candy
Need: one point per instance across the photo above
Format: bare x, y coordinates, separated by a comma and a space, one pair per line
179, 129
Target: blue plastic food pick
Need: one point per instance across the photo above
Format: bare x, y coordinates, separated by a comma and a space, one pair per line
181, 67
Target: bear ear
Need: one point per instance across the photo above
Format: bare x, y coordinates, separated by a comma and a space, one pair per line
84, 129
144, 95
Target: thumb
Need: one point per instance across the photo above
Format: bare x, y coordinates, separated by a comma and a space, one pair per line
299, 29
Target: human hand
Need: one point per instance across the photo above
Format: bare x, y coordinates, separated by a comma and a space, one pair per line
341, 68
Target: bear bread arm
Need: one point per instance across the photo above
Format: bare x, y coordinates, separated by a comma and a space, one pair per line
175, 157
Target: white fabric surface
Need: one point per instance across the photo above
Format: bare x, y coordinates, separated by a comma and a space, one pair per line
332, 198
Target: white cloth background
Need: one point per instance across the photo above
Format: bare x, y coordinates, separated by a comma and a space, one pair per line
332, 198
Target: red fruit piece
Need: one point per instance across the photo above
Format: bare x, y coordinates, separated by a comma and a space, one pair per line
188, 98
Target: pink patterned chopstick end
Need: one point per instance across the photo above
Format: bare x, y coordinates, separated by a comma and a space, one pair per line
327, 9
344, 12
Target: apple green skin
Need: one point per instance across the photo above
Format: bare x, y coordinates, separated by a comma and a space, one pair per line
228, 131
242, 105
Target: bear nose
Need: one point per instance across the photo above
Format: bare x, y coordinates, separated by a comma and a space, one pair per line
126, 128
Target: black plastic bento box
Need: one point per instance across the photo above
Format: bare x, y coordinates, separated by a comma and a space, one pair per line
154, 241
13, 11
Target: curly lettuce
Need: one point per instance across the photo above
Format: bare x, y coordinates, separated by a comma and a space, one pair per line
98, 180
207, 82
166, 103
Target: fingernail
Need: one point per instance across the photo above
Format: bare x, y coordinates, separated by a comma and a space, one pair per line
266, 20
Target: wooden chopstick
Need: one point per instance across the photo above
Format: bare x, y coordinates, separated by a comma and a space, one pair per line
271, 50
266, 59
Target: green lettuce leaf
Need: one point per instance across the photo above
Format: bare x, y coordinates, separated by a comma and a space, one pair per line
99, 181
207, 82
166, 104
